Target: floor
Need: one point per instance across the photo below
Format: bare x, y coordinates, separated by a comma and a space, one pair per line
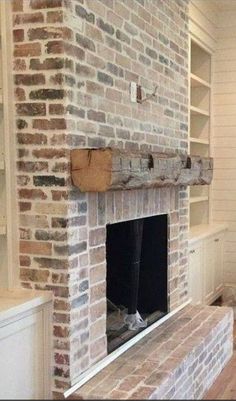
225, 386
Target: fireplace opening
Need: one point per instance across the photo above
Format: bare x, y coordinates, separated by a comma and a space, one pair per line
137, 277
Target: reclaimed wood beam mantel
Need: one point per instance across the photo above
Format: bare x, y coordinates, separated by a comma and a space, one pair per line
104, 169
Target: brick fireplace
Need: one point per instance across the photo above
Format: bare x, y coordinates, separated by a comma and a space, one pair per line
73, 63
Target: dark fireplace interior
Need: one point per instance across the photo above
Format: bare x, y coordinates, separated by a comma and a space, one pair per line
137, 277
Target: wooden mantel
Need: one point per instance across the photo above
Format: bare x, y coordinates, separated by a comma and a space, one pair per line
104, 169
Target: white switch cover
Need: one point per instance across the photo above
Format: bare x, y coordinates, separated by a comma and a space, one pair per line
133, 92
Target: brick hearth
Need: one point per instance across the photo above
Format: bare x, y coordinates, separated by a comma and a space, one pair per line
178, 360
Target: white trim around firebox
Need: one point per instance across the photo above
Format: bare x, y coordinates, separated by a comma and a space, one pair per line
91, 372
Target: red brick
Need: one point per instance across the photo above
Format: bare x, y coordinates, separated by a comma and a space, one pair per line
59, 331
28, 18
62, 305
25, 193
31, 167
47, 64
39, 4
18, 35
54, 16
98, 310
27, 50
59, 195
68, 33
34, 275
98, 328
44, 33
31, 139
143, 393
23, 180
97, 273
25, 233
53, 124
97, 255
31, 109
48, 153
58, 109
97, 292
97, 236
98, 348
19, 65
61, 359
130, 383
55, 47
20, 94
35, 247
25, 206
74, 51
25, 260
29, 79
17, 5
118, 395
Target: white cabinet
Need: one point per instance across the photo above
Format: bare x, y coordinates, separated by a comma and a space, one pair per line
218, 282
206, 265
195, 271
21, 349
25, 345
209, 270
213, 272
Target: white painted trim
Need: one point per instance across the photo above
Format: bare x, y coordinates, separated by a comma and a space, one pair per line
10, 145
47, 351
201, 43
91, 372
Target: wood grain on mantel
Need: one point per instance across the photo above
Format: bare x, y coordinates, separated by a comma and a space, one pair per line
104, 169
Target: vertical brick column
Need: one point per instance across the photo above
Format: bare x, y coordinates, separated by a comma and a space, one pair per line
49, 248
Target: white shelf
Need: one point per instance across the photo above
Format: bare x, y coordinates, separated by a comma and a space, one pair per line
204, 230
197, 81
199, 140
195, 199
196, 111
17, 301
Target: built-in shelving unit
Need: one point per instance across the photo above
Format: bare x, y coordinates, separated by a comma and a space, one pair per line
200, 125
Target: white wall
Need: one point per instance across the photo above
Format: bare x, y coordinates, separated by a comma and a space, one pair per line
224, 146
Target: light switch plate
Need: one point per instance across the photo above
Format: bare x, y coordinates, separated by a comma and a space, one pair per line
133, 92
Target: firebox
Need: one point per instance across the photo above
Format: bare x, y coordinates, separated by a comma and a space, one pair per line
137, 276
